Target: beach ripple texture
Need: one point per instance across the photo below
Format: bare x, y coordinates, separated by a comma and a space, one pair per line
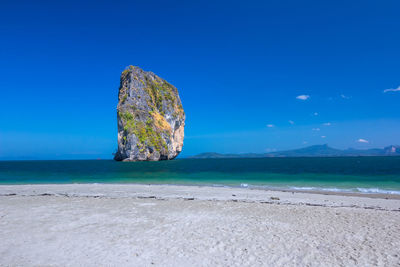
151, 118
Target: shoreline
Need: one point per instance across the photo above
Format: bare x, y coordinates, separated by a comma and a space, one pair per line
290, 189
270, 189
200, 192
345, 194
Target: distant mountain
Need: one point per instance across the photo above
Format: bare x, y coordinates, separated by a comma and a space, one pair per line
310, 151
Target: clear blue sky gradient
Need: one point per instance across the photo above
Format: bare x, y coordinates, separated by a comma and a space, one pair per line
238, 65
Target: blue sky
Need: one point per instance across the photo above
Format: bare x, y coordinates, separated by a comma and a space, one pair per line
240, 67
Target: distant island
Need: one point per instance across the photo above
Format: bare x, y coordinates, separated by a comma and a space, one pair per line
310, 151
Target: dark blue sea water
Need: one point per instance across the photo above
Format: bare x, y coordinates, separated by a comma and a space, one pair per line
359, 174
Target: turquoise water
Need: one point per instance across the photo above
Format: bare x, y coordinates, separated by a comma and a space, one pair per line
361, 174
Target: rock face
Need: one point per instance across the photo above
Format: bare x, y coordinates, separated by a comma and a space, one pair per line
151, 119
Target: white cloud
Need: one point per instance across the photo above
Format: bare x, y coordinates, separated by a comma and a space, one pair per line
327, 124
305, 142
270, 125
316, 129
291, 122
302, 97
323, 136
392, 90
362, 141
344, 96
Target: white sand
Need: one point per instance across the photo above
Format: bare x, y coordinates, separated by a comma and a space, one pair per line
139, 225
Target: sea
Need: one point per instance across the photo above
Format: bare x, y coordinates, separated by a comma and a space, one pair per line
338, 174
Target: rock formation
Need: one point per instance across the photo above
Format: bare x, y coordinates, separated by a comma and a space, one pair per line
150, 116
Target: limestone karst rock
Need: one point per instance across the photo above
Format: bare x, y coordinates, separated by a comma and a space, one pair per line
150, 116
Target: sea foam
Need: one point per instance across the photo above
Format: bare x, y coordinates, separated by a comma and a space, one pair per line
324, 189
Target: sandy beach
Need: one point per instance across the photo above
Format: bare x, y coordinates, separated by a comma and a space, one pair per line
160, 225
